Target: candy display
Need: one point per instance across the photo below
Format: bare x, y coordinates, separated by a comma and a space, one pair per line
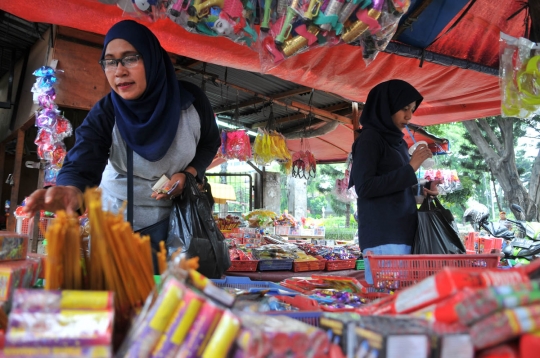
52, 126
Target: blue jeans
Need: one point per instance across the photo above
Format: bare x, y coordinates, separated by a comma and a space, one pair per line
389, 249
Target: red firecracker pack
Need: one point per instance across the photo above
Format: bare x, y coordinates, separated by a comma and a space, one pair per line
444, 284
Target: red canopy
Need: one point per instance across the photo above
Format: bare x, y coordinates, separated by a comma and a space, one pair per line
451, 93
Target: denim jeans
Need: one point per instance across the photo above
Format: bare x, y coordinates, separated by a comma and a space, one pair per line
389, 249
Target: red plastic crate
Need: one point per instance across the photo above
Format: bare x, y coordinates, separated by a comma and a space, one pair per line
315, 265
406, 270
243, 265
335, 265
471, 241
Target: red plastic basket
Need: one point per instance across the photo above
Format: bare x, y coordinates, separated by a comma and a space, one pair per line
402, 271
315, 265
243, 265
335, 265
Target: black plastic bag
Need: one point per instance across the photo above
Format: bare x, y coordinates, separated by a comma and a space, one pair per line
193, 229
436, 233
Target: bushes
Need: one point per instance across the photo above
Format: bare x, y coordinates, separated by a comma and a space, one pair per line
340, 233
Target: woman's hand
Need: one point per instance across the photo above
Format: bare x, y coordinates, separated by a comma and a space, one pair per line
176, 183
68, 198
421, 153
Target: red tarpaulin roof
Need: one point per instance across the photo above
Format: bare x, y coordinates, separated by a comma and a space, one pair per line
451, 94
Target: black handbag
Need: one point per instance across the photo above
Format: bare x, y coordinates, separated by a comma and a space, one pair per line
436, 233
193, 230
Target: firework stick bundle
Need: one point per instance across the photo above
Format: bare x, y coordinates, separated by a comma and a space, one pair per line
119, 259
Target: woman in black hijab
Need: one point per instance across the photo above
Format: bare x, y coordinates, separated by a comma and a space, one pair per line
383, 172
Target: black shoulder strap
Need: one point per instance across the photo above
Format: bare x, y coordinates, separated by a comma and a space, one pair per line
129, 153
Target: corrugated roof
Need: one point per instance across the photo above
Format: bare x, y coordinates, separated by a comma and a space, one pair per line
16, 37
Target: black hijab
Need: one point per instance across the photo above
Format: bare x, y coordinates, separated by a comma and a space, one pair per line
384, 100
149, 123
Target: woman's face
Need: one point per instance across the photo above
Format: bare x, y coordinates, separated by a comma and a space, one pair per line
402, 117
128, 83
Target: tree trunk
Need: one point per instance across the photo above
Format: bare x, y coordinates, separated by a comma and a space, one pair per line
500, 157
499, 206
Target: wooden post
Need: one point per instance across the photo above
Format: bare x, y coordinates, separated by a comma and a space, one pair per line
355, 119
11, 224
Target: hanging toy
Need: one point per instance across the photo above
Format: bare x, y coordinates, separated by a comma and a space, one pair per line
304, 164
53, 127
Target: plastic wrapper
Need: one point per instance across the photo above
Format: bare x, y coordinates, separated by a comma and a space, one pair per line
50, 174
519, 77
13, 246
446, 283
505, 325
279, 336
376, 38
151, 326
48, 323
228, 18
304, 164
288, 29
146, 10
179, 326
275, 252
492, 299
270, 146
53, 127
260, 218
342, 191
448, 178
235, 145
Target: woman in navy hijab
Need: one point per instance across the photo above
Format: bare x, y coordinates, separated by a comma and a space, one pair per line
168, 125
383, 173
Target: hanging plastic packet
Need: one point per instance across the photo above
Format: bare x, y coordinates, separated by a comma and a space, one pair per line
519, 75
376, 38
228, 18
147, 10
51, 172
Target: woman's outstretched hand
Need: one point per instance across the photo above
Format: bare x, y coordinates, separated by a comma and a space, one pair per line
68, 198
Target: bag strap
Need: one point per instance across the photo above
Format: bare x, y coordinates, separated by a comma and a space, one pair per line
129, 153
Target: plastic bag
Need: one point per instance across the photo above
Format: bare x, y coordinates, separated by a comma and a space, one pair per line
436, 233
193, 230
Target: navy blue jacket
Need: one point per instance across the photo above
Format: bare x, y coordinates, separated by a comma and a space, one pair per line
85, 162
383, 178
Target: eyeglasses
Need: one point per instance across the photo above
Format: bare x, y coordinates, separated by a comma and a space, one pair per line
111, 64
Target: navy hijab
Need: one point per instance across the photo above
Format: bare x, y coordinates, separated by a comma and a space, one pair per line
384, 100
149, 123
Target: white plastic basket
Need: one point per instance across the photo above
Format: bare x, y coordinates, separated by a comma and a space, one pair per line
24, 226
